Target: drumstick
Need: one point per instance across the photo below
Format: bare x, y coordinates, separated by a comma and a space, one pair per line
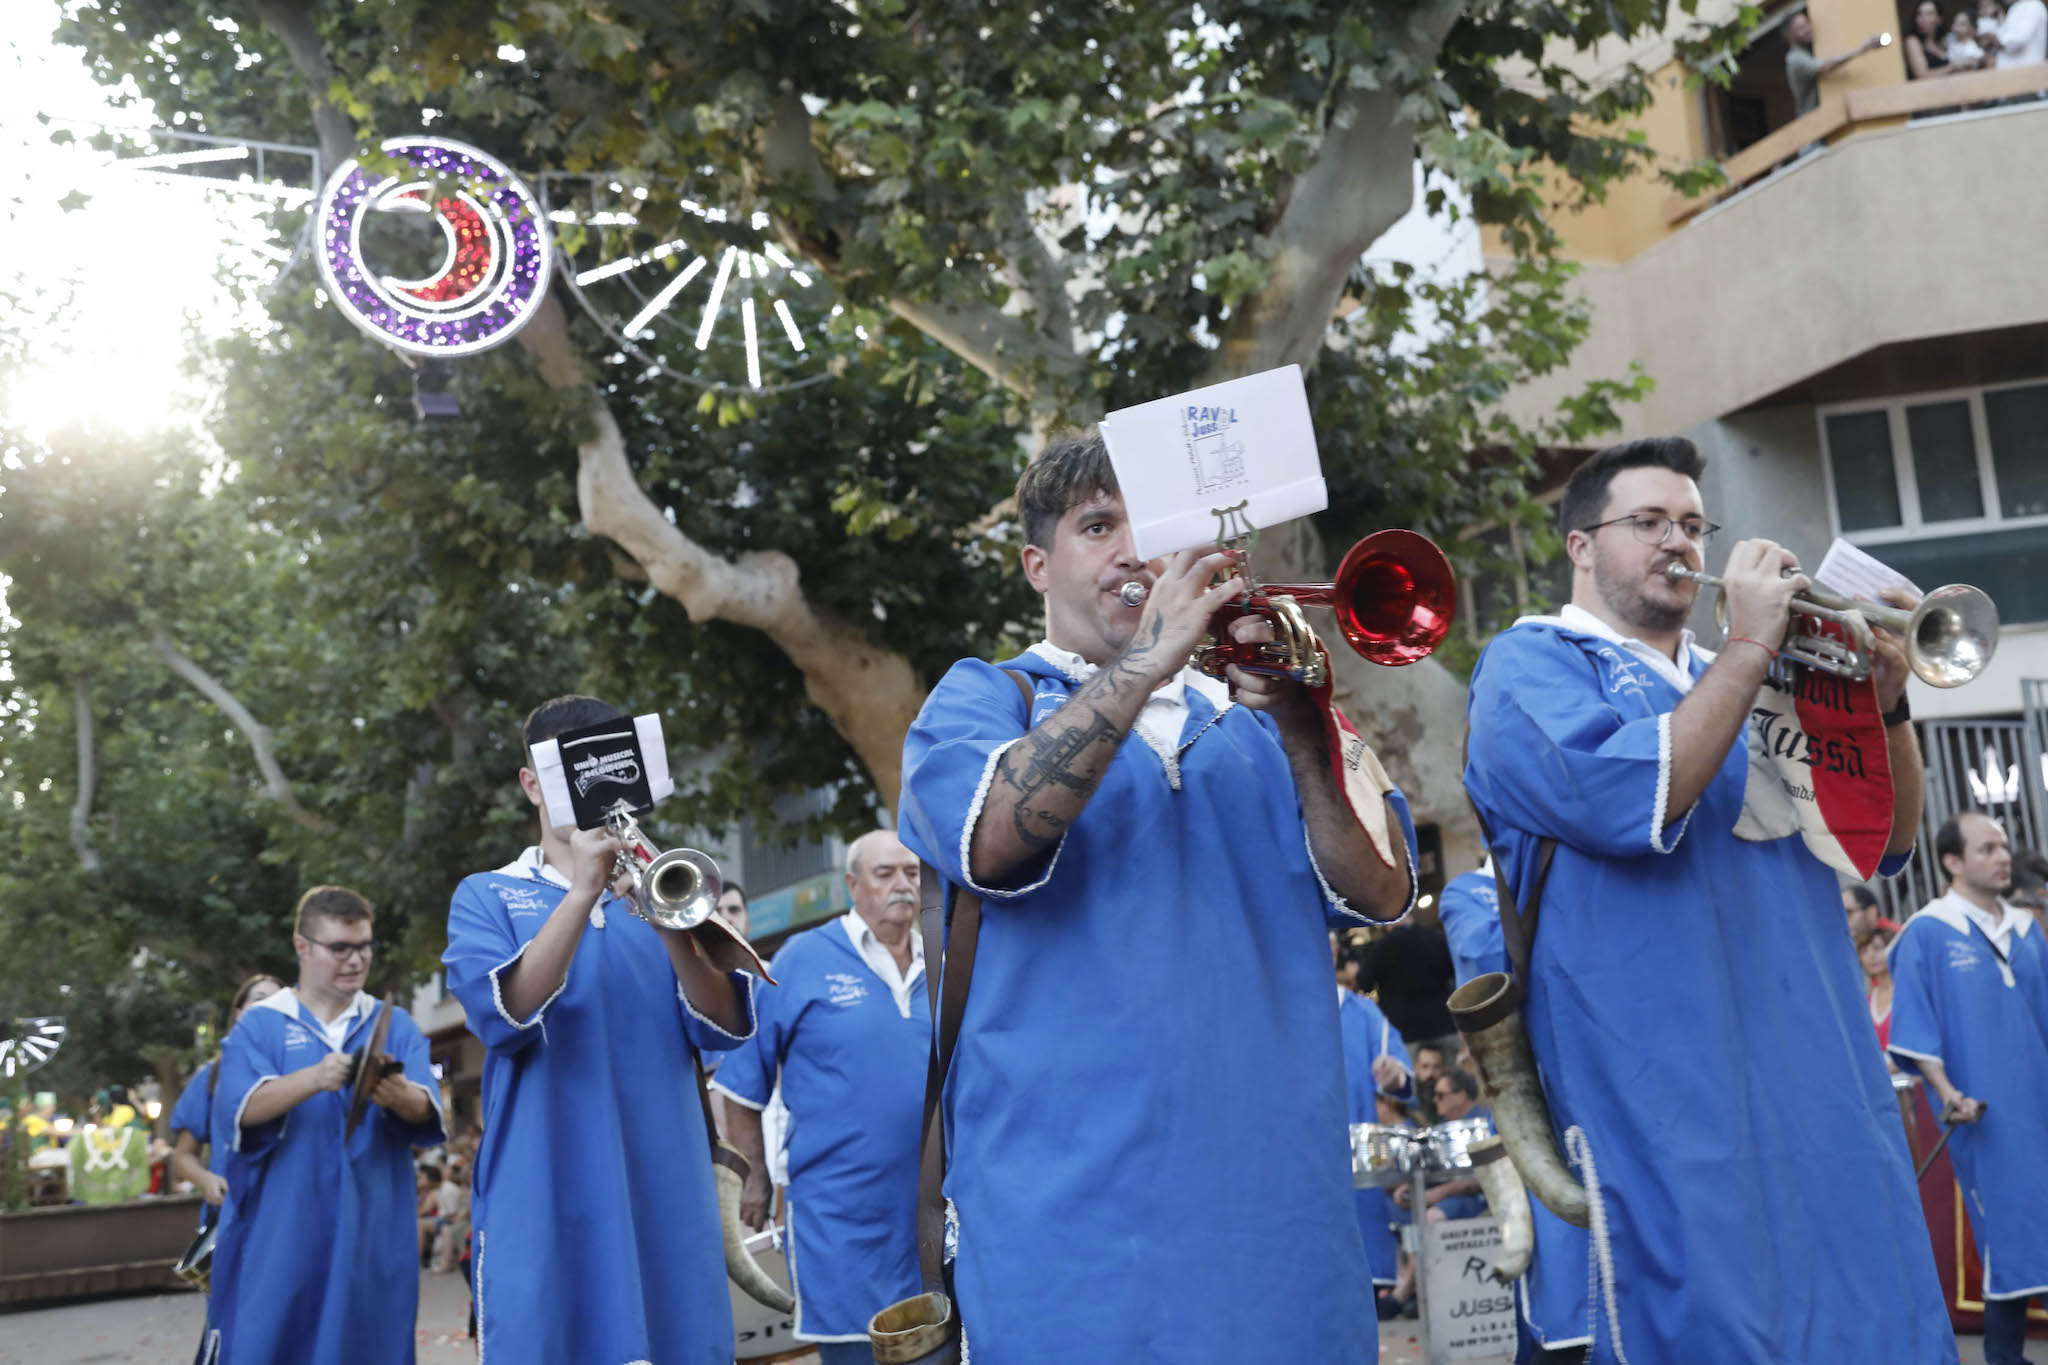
1948, 1131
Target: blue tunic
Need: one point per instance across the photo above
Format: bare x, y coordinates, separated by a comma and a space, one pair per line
1696, 1012
1470, 911
193, 1114
852, 1066
317, 1260
1367, 1036
1987, 1024
1147, 1141
592, 1202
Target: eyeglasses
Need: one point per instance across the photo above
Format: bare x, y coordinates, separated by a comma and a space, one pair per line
1651, 527
345, 949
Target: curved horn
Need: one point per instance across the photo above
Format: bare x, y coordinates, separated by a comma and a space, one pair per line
1508, 1198
1488, 1011
746, 1272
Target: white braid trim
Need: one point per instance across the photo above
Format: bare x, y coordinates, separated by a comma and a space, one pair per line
1601, 1265
1661, 839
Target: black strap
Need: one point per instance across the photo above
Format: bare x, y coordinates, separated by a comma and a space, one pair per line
949, 939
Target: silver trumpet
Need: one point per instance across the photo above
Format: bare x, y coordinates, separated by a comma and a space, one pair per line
1949, 637
673, 890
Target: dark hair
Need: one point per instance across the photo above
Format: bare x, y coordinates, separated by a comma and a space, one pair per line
432, 1170
1072, 467
1948, 842
1461, 1079
734, 886
337, 903
1941, 21
235, 1007
1585, 495
1438, 1048
1865, 898
572, 712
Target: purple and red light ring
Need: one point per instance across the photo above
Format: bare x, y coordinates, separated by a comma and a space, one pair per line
521, 260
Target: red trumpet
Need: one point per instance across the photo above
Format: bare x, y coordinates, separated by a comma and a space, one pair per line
1395, 597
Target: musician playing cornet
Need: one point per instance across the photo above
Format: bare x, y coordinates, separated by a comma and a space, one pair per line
1693, 1003
1145, 1108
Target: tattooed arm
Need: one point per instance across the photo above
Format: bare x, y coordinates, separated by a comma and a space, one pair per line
1043, 781
1342, 850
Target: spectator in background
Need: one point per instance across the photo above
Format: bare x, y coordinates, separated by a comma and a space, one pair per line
1872, 952
1430, 1060
1964, 52
732, 908
1859, 902
2021, 37
1408, 969
2030, 886
1803, 70
1927, 47
451, 1210
426, 1183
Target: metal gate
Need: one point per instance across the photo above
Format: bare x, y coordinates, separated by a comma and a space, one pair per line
1991, 766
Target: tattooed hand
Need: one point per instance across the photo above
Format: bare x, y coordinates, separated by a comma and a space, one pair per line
1176, 615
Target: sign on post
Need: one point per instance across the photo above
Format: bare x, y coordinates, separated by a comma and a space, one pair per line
1471, 1316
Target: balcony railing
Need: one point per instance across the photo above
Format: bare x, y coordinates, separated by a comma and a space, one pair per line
1838, 113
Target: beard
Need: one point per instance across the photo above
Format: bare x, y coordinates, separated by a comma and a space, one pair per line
1627, 596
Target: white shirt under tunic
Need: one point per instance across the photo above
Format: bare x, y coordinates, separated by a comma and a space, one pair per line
876, 954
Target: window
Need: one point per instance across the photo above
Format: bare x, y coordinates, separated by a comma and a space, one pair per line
1949, 488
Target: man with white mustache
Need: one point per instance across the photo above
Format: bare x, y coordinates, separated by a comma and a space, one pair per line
846, 1029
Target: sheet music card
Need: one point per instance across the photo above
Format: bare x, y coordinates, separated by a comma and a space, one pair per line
583, 773
1181, 460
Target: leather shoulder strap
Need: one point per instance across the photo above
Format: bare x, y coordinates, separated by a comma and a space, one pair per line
950, 936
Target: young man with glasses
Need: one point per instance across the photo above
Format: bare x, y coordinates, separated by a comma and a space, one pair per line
1698, 1022
316, 1257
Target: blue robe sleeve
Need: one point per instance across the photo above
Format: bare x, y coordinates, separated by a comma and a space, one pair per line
949, 760
481, 949
1916, 959
1396, 1049
706, 1035
747, 1074
189, 1114
251, 1056
1549, 755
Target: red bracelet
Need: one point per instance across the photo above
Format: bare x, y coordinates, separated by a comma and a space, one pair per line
1745, 640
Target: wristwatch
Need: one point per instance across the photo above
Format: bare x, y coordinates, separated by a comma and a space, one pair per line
1899, 714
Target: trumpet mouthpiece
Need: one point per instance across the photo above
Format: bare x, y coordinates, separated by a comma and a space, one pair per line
1133, 594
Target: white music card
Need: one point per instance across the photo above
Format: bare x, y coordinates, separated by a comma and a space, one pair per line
1856, 573
1246, 444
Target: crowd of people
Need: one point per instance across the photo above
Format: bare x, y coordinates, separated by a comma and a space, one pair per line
1065, 1082
1987, 36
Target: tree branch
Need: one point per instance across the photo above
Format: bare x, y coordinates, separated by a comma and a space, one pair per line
88, 773
294, 28
1006, 348
1359, 184
275, 783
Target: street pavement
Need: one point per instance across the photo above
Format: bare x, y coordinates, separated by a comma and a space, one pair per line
163, 1329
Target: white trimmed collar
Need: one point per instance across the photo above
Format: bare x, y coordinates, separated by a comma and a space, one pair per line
1573, 617
1959, 912
1173, 691
866, 942
533, 866
287, 1003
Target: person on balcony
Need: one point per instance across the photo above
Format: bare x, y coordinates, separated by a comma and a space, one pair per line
2021, 38
1927, 50
1803, 70
1964, 52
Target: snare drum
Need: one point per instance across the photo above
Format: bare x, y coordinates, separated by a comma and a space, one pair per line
1381, 1154
1450, 1143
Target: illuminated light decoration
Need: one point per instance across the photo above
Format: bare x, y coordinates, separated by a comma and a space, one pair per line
753, 342
497, 267
193, 158
796, 338
35, 1041
667, 296
625, 263
717, 296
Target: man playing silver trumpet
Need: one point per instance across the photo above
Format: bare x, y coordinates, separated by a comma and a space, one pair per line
1693, 1007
